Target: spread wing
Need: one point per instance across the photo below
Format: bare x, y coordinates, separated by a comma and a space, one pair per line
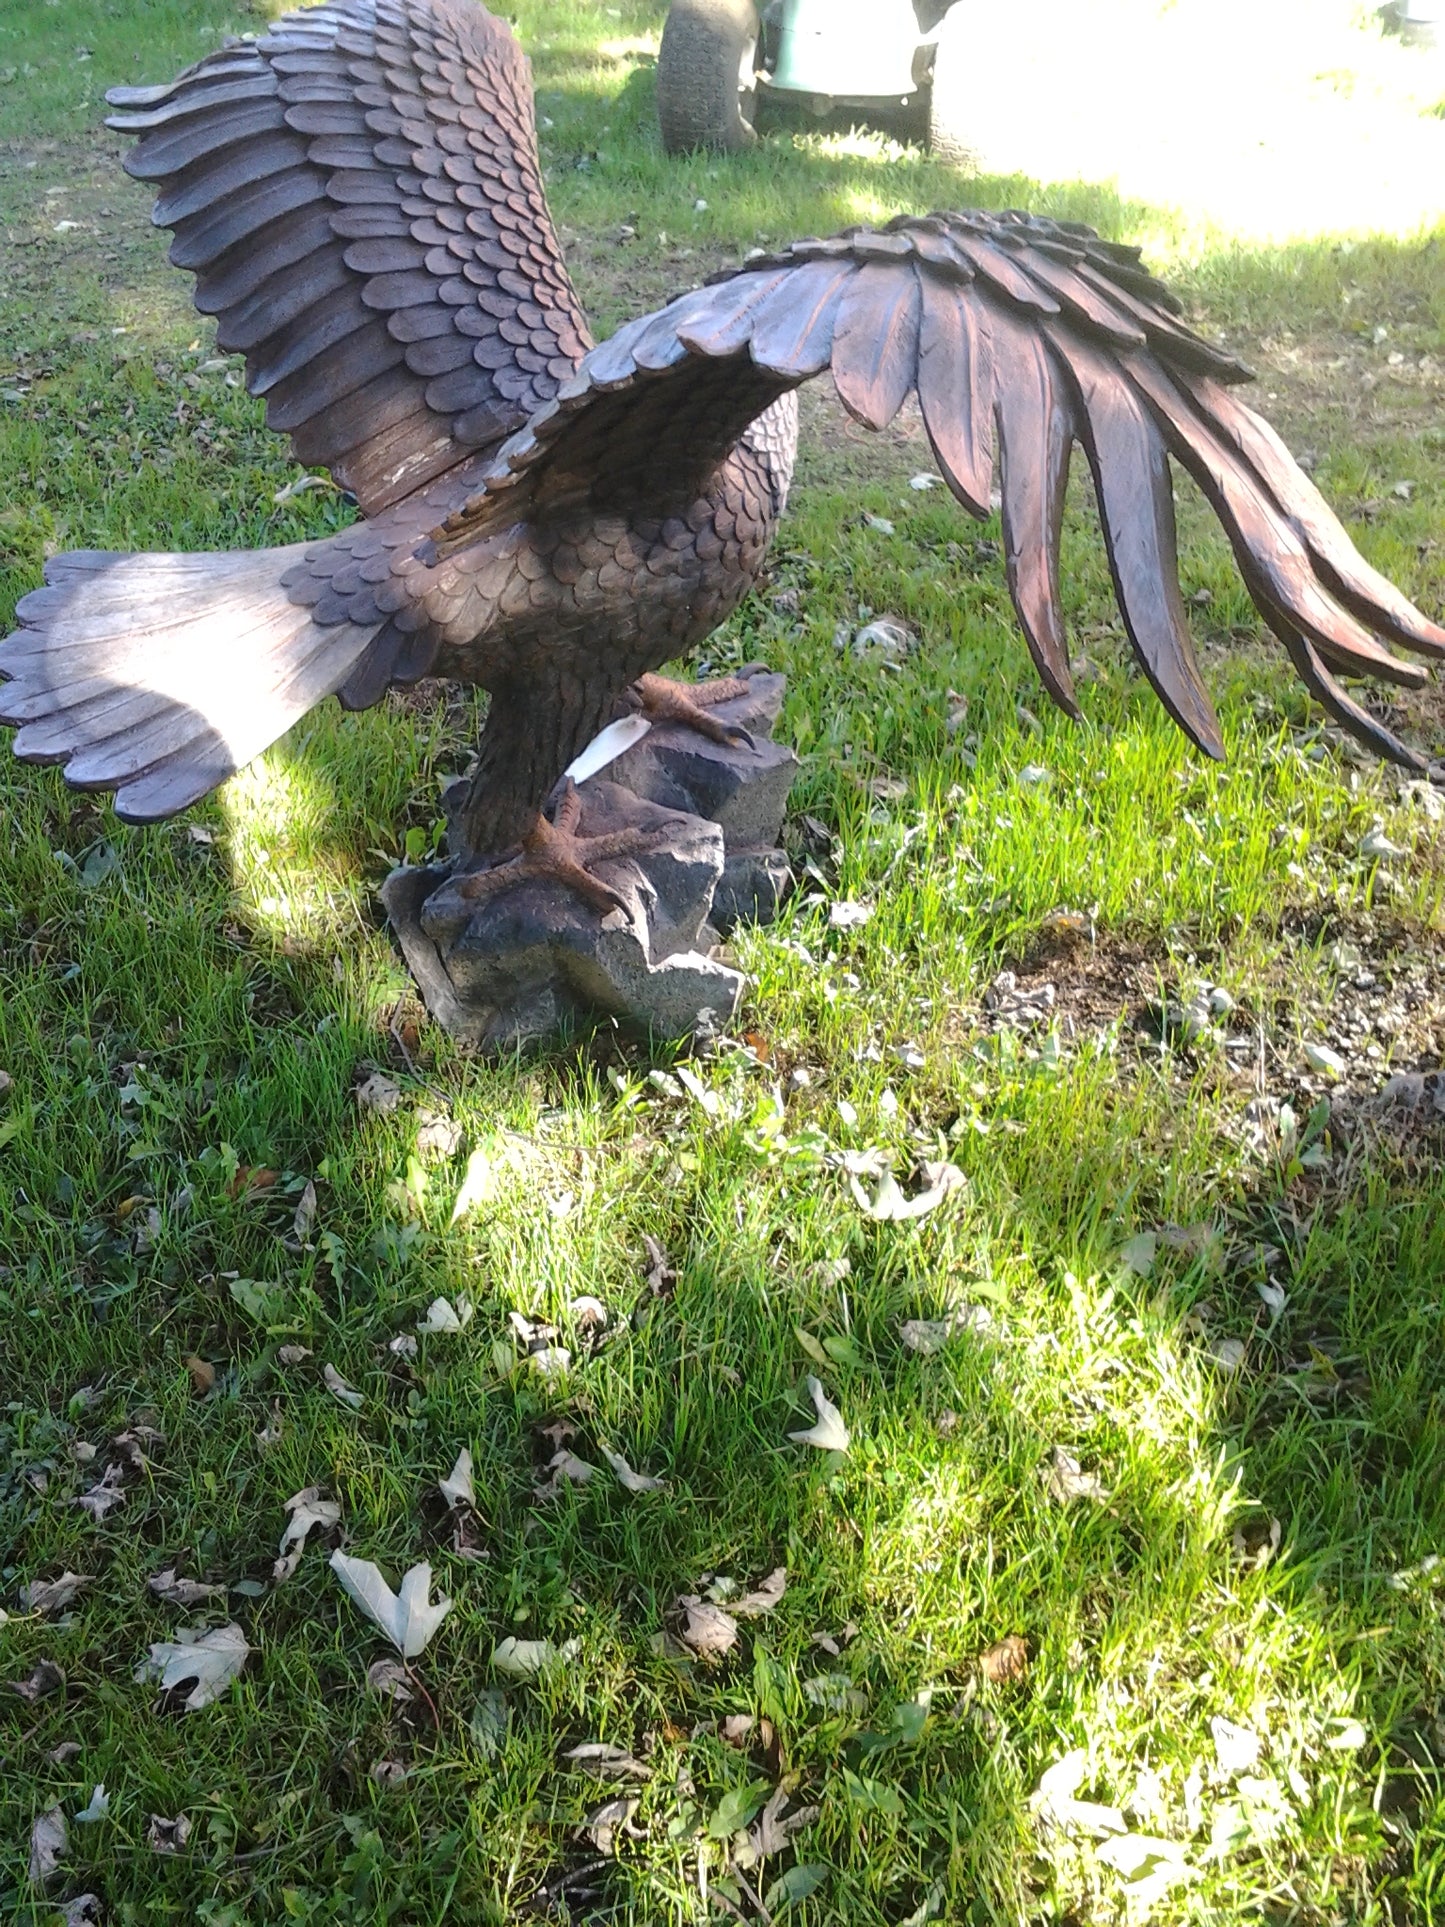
359, 197
1020, 337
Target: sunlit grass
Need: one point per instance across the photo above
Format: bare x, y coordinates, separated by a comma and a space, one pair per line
173, 1009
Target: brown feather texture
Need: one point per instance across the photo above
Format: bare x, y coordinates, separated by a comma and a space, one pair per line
358, 194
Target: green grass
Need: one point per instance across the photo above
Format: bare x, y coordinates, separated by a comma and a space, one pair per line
174, 1008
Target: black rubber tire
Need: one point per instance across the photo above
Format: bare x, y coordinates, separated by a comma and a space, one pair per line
700, 98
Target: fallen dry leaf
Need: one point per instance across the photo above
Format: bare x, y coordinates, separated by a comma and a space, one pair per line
378, 1094
776, 1827
307, 1509
633, 1481
211, 1659
97, 1809
407, 1618
525, 1658
929, 1335
888, 1204
105, 1494
168, 1836
1054, 1802
479, 1183
1065, 1480
387, 1773
305, 1216
340, 1390
612, 1817
251, 1178
133, 1441
605, 1762
439, 1136
753, 1604
389, 1678
83, 1911
49, 1839
706, 1628
67, 1750
443, 1316
290, 1355
45, 1678
845, 914
175, 1591
203, 1375
49, 1595
829, 1433
1008, 1660
737, 1729
457, 1488
661, 1277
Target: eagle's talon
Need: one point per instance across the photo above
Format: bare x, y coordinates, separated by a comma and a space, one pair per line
689, 705
555, 853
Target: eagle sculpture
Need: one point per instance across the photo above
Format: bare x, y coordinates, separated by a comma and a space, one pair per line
359, 196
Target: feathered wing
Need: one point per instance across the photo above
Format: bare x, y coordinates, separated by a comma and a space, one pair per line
1021, 337
359, 196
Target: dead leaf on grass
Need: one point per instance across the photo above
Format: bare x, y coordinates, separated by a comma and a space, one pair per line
391, 1680
457, 1488
776, 1826
168, 1836
1255, 1543
633, 1481
439, 1136
45, 1678
524, 1658
96, 1809
67, 1750
888, 1204
478, 1186
605, 1762
661, 1277
706, 1628
105, 1494
305, 1215
378, 1094
49, 1595
1055, 1804
307, 1509
1006, 1661
133, 1441
211, 1659
274, 1428
443, 1316
49, 1840
289, 1355
168, 1586
340, 1390
829, 1433
565, 1465
387, 1773
930, 1335
1065, 1479
737, 1729
753, 1604
407, 1618
202, 1374
611, 1818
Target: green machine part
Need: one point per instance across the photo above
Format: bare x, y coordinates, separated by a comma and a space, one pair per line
847, 49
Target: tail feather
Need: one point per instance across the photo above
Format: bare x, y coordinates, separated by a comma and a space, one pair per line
159, 676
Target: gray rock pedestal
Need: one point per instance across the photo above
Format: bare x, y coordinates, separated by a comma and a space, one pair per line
523, 964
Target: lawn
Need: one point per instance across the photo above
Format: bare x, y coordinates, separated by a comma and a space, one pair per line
1125, 1598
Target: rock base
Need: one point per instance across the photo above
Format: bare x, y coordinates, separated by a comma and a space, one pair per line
535, 959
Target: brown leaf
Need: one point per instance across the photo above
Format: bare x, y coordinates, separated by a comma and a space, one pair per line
49, 1839
387, 1773
67, 1750
606, 1762
1065, 1480
737, 1729
390, 1678
661, 1278
1008, 1660
706, 1628
203, 1375
753, 1604
104, 1494
49, 1595
612, 1817
378, 1094
175, 1591
45, 1678
249, 1179
168, 1836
